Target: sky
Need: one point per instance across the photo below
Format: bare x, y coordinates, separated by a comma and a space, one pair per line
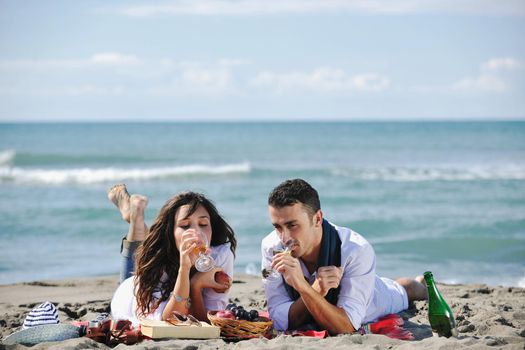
251, 60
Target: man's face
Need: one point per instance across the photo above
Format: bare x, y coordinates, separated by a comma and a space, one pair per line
294, 222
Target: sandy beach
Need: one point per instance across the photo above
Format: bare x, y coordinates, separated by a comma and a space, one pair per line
487, 317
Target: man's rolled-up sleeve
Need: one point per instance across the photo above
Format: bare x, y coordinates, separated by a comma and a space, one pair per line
278, 301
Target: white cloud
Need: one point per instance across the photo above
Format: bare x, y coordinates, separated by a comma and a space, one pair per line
98, 59
83, 90
371, 82
114, 58
270, 7
483, 82
168, 77
195, 80
324, 80
25, 64
163, 76
233, 62
495, 76
499, 64
68, 91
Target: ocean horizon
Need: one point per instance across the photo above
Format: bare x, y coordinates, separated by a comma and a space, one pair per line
436, 195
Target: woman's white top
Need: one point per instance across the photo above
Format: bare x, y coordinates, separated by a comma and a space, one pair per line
124, 302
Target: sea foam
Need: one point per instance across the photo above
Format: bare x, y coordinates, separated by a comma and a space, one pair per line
418, 174
96, 175
7, 156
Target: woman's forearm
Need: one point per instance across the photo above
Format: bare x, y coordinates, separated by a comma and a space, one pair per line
197, 303
180, 297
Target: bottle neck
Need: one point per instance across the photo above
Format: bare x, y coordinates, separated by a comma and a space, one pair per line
429, 278
433, 292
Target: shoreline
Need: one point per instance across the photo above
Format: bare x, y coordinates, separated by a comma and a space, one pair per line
487, 316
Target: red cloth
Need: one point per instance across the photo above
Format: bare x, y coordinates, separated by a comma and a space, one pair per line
264, 314
309, 333
390, 325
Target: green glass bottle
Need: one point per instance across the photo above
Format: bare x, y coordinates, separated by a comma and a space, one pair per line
439, 313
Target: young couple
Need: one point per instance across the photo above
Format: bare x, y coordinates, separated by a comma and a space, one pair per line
328, 277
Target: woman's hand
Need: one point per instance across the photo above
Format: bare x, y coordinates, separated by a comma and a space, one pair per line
207, 280
189, 241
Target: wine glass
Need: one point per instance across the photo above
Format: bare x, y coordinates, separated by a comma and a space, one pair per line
204, 262
286, 248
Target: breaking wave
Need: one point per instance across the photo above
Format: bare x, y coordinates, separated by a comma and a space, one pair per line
7, 156
96, 175
509, 172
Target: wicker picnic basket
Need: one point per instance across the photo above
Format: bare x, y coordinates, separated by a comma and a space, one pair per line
240, 328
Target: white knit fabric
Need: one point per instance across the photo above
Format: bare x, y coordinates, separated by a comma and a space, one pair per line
45, 313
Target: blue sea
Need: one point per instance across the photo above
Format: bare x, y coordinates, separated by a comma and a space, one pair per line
442, 196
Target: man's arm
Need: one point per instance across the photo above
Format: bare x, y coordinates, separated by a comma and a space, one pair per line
328, 316
298, 315
328, 277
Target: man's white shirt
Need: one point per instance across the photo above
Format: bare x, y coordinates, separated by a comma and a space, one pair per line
363, 295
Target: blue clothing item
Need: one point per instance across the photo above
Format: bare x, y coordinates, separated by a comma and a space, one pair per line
127, 251
44, 333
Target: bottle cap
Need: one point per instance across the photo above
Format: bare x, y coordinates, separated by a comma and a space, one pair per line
428, 277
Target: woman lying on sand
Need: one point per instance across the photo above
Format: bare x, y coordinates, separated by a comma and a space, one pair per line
165, 278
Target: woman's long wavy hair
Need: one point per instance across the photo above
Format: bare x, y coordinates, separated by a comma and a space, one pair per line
158, 253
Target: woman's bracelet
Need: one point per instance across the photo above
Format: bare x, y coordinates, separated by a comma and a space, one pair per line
180, 299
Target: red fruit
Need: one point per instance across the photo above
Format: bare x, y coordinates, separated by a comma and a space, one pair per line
222, 278
226, 314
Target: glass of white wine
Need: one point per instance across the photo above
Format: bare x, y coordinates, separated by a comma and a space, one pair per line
204, 262
286, 249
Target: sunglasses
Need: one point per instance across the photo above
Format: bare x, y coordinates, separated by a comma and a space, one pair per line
178, 319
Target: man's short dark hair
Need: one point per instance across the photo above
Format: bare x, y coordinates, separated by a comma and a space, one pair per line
294, 191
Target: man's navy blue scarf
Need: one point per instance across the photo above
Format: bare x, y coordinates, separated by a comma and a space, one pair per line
329, 255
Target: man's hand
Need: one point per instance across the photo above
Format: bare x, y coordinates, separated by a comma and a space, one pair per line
290, 268
328, 277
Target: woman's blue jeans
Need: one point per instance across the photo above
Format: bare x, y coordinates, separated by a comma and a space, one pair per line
127, 252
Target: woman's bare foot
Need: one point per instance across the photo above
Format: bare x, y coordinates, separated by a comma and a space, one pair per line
118, 195
137, 226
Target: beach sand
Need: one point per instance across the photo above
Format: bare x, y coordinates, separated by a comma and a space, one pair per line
488, 317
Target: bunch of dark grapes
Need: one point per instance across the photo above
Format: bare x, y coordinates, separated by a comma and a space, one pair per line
241, 314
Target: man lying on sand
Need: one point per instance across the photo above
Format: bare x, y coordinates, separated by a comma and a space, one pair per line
328, 275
